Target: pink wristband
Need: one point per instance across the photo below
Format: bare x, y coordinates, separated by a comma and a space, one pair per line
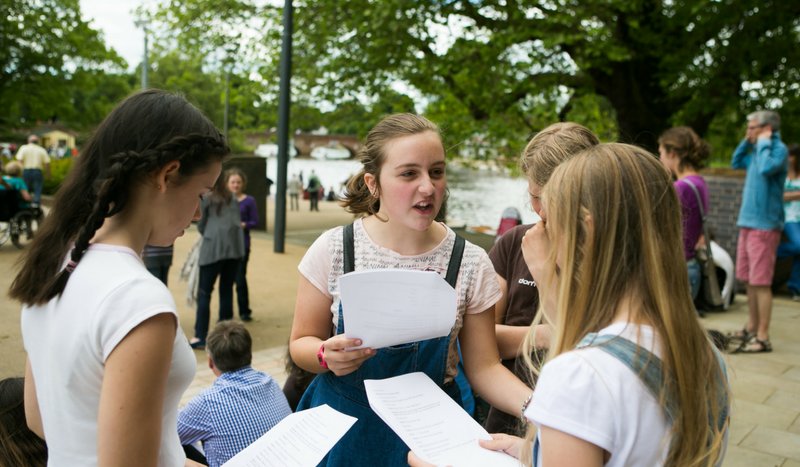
321, 356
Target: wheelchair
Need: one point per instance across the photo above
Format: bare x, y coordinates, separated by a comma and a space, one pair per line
16, 223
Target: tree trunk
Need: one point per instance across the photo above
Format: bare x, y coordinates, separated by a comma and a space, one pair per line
641, 112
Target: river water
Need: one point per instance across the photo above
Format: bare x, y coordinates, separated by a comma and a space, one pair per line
477, 198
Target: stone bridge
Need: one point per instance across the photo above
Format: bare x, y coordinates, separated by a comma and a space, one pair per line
305, 142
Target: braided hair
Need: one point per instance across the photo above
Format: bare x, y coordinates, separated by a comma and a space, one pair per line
142, 134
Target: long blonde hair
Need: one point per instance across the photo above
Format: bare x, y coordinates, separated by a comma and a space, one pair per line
615, 223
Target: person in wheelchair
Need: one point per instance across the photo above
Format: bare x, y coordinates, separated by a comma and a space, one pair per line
12, 180
19, 216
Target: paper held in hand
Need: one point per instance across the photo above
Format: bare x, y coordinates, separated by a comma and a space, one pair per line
431, 423
387, 307
300, 440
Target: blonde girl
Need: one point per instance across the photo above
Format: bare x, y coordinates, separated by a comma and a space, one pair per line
519, 303
631, 378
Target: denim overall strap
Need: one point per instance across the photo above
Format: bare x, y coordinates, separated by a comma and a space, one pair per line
349, 257
369, 441
348, 247
455, 261
723, 401
467, 398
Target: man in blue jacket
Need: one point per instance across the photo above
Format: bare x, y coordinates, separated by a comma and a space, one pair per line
764, 155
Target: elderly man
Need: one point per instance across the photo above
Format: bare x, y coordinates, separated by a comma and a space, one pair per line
35, 162
764, 155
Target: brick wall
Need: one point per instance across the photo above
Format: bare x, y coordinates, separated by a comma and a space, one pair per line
725, 192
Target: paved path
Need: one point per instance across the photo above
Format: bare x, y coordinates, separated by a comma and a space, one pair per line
766, 387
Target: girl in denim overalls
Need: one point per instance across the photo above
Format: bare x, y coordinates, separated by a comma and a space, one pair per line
631, 378
398, 193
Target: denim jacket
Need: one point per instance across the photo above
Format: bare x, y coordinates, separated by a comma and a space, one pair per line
762, 199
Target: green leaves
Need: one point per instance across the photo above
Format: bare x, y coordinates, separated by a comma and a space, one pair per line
47, 50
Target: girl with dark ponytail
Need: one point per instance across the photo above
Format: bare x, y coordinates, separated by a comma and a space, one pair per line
107, 361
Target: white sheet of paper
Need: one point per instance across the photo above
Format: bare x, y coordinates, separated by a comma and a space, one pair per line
387, 307
431, 423
300, 440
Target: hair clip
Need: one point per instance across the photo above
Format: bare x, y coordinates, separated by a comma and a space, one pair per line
71, 266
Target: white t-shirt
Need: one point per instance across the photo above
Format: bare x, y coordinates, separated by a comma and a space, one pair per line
69, 339
591, 395
476, 287
32, 156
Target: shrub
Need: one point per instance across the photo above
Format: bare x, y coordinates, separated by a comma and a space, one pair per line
59, 168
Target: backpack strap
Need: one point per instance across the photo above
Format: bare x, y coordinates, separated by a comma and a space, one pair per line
703, 223
348, 244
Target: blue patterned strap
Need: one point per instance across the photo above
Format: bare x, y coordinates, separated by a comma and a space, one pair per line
648, 368
642, 362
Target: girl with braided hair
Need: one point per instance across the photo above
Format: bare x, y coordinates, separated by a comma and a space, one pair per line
107, 360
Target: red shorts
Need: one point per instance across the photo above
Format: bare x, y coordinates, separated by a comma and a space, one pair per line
756, 252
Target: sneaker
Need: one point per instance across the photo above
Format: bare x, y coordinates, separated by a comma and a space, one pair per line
246, 318
197, 344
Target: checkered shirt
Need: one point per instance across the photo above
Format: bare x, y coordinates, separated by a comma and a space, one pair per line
236, 410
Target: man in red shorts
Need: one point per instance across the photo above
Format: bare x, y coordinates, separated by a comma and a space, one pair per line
764, 155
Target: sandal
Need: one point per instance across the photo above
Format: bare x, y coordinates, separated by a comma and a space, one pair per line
755, 345
742, 335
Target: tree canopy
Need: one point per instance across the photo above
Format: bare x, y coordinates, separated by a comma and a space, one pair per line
647, 64
490, 72
54, 66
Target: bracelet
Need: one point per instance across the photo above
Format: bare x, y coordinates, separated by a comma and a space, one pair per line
324, 364
525, 407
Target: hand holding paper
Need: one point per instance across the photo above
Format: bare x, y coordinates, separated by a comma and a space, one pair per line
339, 356
388, 307
431, 423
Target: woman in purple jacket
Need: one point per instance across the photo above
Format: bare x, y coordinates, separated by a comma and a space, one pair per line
237, 182
684, 153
